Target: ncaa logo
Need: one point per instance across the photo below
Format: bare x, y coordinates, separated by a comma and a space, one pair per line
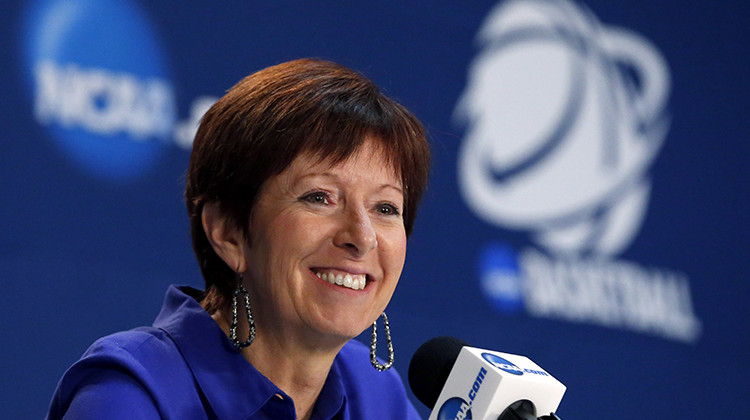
502, 364
455, 409
100, 84
501, 277
565, 116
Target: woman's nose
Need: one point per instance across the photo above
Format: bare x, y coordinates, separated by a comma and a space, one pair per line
357, 234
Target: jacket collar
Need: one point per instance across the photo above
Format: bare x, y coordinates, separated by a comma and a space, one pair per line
231, 385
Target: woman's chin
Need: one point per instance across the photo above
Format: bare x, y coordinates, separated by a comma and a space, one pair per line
341, 330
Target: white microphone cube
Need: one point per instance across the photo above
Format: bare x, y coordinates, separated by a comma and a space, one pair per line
483, 383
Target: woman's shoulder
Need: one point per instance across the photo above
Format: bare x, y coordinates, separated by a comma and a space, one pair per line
132, 341
146, 354
140, 345
125, 367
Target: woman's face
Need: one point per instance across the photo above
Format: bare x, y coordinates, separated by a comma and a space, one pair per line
316, 225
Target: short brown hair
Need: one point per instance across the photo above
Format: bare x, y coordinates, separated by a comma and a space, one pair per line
269, 118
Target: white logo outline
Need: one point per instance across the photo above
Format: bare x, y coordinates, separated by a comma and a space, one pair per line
503, 180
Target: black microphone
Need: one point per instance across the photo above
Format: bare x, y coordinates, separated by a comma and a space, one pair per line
458, 382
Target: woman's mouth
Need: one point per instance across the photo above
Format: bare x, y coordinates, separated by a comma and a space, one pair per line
348, 280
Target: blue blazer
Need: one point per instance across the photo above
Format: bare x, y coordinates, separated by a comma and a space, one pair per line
184, 367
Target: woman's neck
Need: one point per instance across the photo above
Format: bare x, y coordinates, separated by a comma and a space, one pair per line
297, 365
298, 372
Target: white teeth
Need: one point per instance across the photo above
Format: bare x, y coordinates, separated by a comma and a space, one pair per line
350, 281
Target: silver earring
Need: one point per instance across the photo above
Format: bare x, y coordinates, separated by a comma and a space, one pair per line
374, 344
240, 290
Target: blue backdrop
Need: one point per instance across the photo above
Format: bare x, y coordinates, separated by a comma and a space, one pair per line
587, 206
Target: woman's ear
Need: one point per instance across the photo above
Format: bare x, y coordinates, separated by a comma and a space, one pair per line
226, 238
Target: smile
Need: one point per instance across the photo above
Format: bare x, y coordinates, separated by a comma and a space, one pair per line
350, 281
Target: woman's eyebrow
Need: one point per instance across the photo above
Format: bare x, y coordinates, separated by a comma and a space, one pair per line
395, 187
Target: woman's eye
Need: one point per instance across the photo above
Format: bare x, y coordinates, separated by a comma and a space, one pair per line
388, 209
317, 197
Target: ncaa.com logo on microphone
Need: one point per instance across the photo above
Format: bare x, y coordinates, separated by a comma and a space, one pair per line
510, 367
564, 117
457, 408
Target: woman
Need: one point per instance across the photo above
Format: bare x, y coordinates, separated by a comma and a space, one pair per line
302, 187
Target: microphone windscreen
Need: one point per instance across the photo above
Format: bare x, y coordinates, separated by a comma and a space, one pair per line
430, 367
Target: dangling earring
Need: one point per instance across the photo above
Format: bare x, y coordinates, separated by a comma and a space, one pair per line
374, 344
239, 345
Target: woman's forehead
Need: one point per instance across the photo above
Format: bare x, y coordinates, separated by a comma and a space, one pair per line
371, 150
359, 165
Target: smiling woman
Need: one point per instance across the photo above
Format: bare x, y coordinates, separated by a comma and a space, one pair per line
302, 188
